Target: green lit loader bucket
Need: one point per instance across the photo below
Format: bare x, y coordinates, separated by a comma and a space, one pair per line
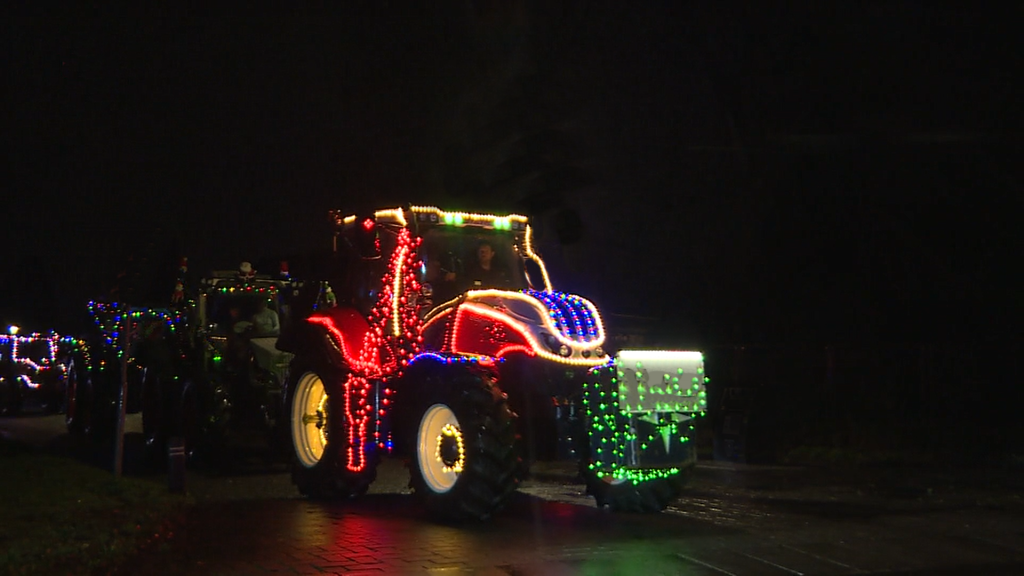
640, 409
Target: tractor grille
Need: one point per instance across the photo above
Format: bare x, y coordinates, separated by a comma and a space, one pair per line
574, 317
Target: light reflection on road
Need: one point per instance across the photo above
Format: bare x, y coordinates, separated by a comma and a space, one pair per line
734, 520
389, 531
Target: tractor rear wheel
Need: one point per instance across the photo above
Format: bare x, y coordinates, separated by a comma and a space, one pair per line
156, 418
54, 393
78, 405
192, 420
325, 463
464, 464
10, 396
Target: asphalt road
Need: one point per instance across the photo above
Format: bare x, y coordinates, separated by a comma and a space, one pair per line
733, 519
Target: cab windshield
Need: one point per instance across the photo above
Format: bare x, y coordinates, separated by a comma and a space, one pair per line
226, 310
459, 259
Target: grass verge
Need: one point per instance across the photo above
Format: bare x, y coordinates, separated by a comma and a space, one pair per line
62, 516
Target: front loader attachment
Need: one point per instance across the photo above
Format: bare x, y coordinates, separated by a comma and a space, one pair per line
639, 410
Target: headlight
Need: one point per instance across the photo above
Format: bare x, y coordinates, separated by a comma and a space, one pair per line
550, 341
555, 345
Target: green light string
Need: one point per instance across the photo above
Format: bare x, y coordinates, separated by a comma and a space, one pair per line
609, 422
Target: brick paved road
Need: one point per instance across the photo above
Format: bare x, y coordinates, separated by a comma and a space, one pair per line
734, 519
798, 526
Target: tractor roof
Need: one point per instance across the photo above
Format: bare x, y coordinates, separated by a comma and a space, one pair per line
229, 281
433, 216
427, 217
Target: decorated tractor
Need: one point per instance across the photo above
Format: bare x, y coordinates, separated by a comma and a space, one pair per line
447, 345
234, 393
33, 371
200, 369
144, 338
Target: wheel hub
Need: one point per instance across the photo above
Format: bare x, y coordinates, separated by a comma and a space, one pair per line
449, 448
310, 416
441, 451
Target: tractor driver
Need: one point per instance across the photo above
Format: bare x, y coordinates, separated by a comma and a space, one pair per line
485, 272
265, 321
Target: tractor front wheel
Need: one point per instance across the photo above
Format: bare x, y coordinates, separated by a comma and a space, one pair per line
619, 494
325, 462
465, 466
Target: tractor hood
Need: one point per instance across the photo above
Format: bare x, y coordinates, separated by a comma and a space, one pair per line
561, 327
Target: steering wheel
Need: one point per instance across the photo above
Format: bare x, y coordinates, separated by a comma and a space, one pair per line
450, 263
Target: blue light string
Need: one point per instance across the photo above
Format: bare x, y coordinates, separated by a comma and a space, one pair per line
561, 307
449, 359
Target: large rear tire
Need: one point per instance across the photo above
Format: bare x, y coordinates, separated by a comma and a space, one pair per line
55, 390
10, 396
79, 402
464, 464
156, 418
191, 423
104, 390
317, 422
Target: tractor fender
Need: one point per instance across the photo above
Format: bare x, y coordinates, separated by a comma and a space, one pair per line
424, 370
335, 336
337, 339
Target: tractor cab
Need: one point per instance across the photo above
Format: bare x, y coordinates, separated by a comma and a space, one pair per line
456, 252
452, 262
234, 311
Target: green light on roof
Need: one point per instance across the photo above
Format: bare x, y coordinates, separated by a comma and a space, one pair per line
458, 219
448, 219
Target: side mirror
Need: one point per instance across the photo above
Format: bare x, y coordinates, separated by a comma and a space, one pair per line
425, 301
362, 237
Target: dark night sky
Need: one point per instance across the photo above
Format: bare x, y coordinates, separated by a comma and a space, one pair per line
799, 171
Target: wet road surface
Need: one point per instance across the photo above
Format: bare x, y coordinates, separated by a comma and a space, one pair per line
733, 519
550, 528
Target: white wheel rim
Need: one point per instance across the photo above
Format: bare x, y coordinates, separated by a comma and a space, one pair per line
439, 425
309, 419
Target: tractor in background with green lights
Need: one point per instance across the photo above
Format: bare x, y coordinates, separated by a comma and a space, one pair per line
198, 368
137, 335
147, 338
447, 345
233, 396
